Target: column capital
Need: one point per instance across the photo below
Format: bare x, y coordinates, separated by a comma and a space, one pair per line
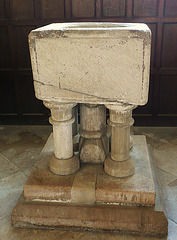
120, 114
60, 111
57, 105
61, 123
120, 107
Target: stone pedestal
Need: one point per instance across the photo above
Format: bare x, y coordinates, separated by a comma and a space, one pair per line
90, 199
63, 161
94, 143
119, 162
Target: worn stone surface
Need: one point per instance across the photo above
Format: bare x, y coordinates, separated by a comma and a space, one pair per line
93, 217
138, 189
86, 69
43, 184
83, 188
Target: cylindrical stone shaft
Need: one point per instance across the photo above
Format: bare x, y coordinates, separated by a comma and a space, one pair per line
93, 117
63, 162
63, 141
120, 134
119, 163
93, 144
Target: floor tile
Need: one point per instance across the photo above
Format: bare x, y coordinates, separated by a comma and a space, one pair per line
22, 134
173, 141
166, 133
25, 145
172, 230
165, 178
170, 199
165, 157
157, 135
6, 167
10, 190
12, 133
22, 156
27, 171
5, 226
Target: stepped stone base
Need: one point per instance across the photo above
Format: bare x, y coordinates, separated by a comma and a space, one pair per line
36, 214
90, 199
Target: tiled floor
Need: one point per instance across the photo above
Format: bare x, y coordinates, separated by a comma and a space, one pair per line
19, 149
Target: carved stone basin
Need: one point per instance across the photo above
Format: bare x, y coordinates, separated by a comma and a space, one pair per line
91, 62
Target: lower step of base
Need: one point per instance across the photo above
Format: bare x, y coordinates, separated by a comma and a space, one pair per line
142, 220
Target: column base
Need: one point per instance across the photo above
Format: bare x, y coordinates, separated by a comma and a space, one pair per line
64, 166
119, 169
94, 150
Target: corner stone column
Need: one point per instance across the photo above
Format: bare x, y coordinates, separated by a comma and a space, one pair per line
93, 143
75, 129
63, 162
119, 163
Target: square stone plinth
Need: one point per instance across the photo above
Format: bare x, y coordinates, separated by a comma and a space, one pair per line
97, 217
91, 199
91, 62
91, 184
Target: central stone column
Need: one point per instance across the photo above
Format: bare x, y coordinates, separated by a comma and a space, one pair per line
63, 162
93, 144
75, 130
119, 163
